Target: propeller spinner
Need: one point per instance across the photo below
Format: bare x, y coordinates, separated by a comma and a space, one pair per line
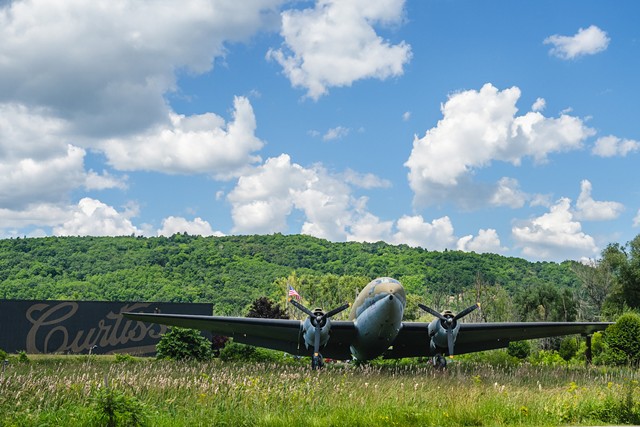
318, 320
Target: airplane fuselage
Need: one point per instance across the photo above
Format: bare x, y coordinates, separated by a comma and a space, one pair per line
377, 316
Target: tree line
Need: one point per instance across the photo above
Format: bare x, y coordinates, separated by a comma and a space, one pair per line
233, 271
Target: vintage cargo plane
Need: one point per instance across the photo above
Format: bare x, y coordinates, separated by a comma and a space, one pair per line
374, 328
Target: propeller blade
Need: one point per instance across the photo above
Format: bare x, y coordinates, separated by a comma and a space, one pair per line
301, 307
316, 341
432, 311
466, 311
337, 310
450, 341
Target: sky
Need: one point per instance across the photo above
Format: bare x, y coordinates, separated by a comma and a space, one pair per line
496, 126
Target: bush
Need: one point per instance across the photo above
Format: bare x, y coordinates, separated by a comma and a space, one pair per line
519, 349
236, 352
622, 341
114, 408
568, 348
22, 357
3, 355
183, 344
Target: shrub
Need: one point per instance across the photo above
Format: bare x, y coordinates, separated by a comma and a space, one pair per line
115, 408
622, 341
519, 349
236, 352
123, 358
183, 344
568, 348
3, 355
22, 357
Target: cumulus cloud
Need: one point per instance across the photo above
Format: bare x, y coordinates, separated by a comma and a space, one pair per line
587, 41
96, 181
197, 227
335, 44
592, 210
93, 218
554, 235
610, 146
487, 241
508, 193
539, 104
192, 144
434, 235
477, 128
106, 66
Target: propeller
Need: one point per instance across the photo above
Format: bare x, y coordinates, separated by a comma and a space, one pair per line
318, 320
449, 321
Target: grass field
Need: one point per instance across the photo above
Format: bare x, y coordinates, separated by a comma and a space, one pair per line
100, 390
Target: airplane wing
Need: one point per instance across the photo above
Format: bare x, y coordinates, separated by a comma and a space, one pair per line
413, 339
277, 334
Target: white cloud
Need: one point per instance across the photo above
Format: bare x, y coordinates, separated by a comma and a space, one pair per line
477, 128
93, 218
334, 44
508, 194
193, 144
337, 132
487, 241
415, 231
539, 105
406, 116
105, 66
197, 227
636, 219
610, 146
367, 180
587, 41
554, 235
592, 210
95, 181
40, 215
369, 228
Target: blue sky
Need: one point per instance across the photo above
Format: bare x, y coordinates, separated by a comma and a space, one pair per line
490, 126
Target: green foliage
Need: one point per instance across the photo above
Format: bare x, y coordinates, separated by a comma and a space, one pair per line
113, 408
568, 348
3, 355
519, 349
233, 271
265, 308
624, 263
236, 352
622, 341
183, 344
22, 357
124, 358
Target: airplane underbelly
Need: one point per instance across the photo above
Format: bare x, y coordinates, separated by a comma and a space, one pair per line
377, 328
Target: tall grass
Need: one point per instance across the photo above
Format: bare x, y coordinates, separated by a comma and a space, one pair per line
66, 391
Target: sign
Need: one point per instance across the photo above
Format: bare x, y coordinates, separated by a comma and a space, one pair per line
82, 327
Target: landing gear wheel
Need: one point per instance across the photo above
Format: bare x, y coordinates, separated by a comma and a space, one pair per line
439, 361
317, 362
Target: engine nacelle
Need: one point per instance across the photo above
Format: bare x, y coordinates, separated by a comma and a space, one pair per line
309, 329
438, 333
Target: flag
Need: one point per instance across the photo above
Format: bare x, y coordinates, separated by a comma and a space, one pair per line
293, 293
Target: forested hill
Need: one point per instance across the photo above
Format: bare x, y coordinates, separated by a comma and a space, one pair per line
233, 271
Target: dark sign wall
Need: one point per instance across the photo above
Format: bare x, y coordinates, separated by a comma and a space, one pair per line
72, 327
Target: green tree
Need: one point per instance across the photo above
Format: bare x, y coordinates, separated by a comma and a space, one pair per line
624, 263
265, 308
622, 341
183, 344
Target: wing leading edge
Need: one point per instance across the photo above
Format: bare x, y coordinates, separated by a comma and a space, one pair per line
276, 334
413, 339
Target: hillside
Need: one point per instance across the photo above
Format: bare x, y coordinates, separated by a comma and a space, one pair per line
232, 271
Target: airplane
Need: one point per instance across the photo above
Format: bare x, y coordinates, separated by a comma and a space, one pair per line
375, 328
